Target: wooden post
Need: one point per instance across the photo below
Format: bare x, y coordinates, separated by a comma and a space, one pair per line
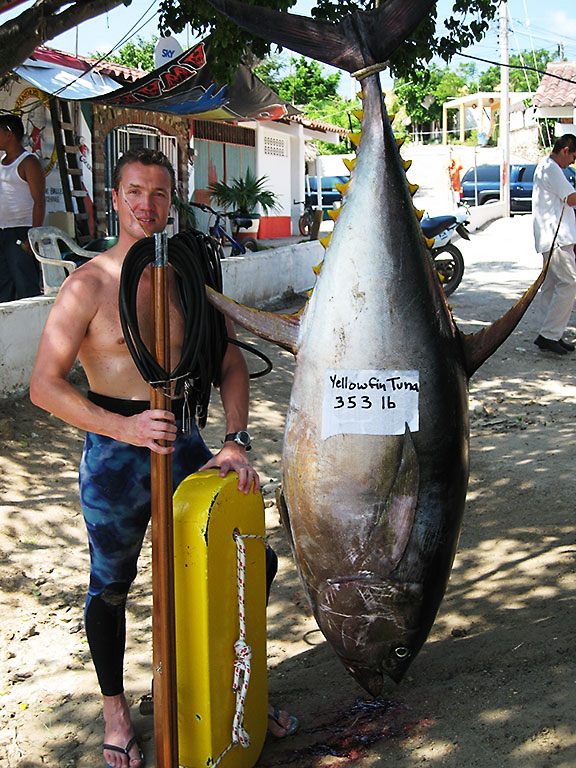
163, 631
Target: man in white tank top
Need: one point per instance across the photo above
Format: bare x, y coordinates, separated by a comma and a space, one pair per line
22, 205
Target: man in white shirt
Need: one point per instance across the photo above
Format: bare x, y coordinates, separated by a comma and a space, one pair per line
554, 200
22, 205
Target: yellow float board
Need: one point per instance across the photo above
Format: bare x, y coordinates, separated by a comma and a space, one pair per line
207, 511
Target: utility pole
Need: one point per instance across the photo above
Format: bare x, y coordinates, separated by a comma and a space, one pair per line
504, 110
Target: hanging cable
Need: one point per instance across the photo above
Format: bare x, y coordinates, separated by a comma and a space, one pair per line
195, 259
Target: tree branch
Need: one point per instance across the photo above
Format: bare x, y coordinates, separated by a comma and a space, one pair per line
43, 21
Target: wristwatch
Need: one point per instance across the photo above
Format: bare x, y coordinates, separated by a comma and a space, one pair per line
242, 437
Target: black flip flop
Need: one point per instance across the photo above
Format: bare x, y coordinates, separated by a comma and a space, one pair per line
126, 751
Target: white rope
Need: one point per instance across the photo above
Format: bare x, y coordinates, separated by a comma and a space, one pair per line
242, 667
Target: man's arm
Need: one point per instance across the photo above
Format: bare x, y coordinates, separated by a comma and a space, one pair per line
33, 174
60, 343
235, 394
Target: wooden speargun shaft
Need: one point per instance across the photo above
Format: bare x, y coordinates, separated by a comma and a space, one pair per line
163, 613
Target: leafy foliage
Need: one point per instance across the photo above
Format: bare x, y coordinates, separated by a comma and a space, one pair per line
423, 94
244, 194
228, 43
520, 79
467, 24
138, 54
305, 82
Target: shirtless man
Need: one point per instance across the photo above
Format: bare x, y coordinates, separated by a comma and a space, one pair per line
121, 428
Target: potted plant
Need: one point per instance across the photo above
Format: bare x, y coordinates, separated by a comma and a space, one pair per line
242, 196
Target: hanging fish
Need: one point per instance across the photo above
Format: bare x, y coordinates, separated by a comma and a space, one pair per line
375, 456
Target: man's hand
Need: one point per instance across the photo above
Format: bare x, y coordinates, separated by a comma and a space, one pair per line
147, 428
232, 458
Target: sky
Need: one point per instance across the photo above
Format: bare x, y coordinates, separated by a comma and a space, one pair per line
533, 24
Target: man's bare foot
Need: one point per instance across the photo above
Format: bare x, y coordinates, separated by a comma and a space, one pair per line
280, 723
119, 733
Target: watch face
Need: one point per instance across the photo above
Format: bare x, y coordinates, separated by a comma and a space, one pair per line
242, 437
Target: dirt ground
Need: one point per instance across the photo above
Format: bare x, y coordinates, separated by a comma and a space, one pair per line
494, 686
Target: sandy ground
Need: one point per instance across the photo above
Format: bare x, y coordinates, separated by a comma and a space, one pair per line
494, 686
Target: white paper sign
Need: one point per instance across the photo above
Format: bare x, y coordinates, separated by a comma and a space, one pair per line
367, 402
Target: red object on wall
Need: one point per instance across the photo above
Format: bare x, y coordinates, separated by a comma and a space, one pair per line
274, 226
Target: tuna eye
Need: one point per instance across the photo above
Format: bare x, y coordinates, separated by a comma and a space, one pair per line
401, 653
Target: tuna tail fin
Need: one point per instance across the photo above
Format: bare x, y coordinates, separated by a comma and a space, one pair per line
282, 329
361, 39
479, 346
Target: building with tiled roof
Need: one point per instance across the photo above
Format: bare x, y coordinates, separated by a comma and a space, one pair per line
80, 114
556, 94
119, 72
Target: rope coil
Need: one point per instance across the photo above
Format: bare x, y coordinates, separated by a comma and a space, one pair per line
195, 259
373, 69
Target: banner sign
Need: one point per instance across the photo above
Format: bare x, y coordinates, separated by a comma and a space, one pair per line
186, 86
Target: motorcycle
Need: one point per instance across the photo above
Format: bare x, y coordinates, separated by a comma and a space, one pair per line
448, 259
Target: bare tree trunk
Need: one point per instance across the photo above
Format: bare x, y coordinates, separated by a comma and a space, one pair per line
43, 21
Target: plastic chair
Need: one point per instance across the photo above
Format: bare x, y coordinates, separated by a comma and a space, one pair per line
55, 269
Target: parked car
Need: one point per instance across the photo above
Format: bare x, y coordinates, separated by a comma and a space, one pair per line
486, 180
330, 195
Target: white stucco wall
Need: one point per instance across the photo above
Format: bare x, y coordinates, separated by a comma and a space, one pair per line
21, 324
257, 278
254, 280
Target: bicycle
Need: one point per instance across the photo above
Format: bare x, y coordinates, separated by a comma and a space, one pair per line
307, 219
221, 237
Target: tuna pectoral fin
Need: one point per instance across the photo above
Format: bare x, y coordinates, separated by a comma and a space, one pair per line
479, 346
360, 39
284, 516
280, 328
389, 536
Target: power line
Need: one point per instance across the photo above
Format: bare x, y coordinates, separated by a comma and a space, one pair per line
517, 66
124, 39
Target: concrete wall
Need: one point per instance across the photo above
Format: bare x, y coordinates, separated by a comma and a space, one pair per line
253, 280
257, 278
21, 324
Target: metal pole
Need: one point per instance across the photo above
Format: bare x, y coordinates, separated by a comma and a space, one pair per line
504, 110
163, 630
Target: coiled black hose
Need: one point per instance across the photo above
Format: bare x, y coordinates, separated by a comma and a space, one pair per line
196, 262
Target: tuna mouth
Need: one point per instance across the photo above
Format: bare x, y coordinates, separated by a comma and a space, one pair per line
372, 679
374, 627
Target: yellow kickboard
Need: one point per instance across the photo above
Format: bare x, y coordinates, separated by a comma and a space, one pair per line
207, 511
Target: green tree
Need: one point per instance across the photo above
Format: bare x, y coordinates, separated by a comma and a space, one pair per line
520, 79
303, 82
425, 92
336, 111
138, 54
270, 69
466, 25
